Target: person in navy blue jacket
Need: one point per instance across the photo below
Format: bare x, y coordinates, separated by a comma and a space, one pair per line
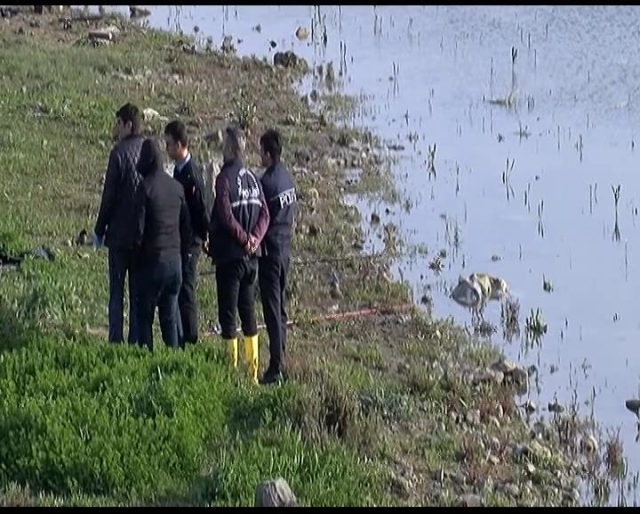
280, 193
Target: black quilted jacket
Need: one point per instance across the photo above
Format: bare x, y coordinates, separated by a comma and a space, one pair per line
120, 186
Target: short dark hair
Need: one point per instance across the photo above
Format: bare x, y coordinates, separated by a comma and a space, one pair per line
178, 132
130, 113
271, 143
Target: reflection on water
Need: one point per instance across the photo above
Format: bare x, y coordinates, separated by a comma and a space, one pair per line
512, 120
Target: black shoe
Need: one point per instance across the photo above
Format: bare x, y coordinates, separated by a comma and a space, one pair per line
272, 377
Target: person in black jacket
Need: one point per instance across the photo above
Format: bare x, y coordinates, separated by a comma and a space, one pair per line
239, 220
114, 227
280, 193
161, 236
189, 175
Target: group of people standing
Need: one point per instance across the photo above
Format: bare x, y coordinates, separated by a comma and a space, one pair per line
157, 226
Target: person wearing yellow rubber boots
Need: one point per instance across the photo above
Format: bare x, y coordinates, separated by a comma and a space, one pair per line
239, 221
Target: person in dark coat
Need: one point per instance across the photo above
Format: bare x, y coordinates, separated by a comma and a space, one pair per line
189, 175
239, 220
280, 193
113, 226
161, 235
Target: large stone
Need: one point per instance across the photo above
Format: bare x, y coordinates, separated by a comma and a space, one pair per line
275, 493
503, 366
471, 500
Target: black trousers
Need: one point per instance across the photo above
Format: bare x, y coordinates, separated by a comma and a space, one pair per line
272, 274
121, 264
188, 299
236, 283
159, 287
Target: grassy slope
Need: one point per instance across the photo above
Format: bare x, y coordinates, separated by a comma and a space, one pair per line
376, 414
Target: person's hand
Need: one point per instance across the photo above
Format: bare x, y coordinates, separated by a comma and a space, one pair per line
255, 244
98, 242
252, 245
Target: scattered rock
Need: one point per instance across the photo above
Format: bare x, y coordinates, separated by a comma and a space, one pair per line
488, 376
395, 147
273, 44
150, 114
634, 406
530, 407
287, 59
530, 468
494, 444
302, 33
503, 366
493, 460
314, 96
375, 219
138, 12
555, 407
496, 258
107, 34
511, 490
471, 500
227, 46
275, 493
520, 379
473, 417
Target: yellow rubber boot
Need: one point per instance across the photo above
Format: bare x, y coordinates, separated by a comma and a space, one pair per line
232, 346
251, 355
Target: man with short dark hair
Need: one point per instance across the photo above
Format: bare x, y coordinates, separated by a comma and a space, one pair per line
280, 193
189, 175
114, 226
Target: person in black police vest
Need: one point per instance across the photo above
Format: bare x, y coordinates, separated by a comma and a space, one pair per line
113, 226
161, 235
239, 220
189, 175
280, 193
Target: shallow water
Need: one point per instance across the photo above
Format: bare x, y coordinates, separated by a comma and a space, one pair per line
578, 77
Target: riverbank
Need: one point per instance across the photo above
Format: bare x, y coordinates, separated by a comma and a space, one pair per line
399, 407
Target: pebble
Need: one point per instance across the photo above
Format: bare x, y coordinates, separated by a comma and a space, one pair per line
530, 407
633, 405
555, 408
494, 460
302, 33
275, 493
471, 500
473, 417
503, 366
512, 490
530, 468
